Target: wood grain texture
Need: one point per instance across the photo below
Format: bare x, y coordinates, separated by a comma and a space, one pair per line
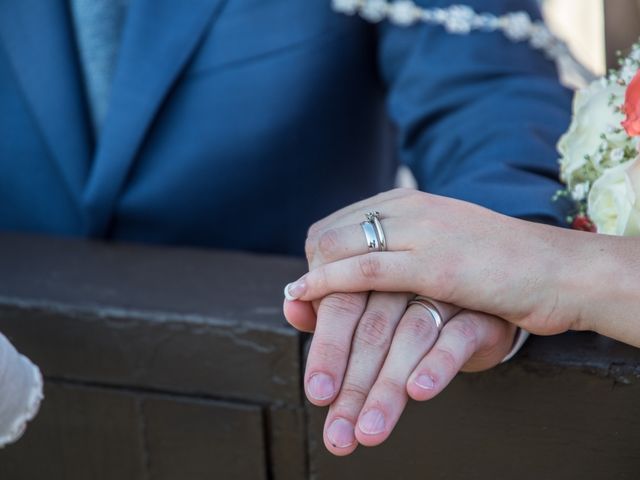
101, 434
202, 440
170, 319
287, 436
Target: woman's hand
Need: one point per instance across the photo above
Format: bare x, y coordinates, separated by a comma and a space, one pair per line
449, 250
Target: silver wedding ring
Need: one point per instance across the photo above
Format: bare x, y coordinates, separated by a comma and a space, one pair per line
425, 303
371, 236
374, 233
374, 217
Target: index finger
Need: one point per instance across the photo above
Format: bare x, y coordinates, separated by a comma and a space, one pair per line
378, 271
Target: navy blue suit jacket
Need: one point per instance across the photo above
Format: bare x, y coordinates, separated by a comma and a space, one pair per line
237, 123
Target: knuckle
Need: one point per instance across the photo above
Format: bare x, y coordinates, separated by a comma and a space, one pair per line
352, 393
413, 196
343, 304
370, 266
328, 351
418, 325
374, 329
447, 359
392, 385
400, 191
467, 330
310, 247
328, 244
313, 230
319, 279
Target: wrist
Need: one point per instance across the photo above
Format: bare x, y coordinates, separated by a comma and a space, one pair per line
604, 283
552, 281
564, 280
579, 266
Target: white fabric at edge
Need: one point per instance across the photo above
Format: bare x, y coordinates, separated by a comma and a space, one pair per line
521, 338
20, 392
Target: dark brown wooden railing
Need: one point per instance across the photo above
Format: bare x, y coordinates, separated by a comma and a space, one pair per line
166, 363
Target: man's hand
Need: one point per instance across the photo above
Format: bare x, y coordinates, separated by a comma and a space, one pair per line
370, 354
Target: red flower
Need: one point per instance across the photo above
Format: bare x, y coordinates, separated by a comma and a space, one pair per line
631, 107
584, 223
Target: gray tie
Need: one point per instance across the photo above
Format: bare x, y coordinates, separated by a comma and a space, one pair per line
98, 25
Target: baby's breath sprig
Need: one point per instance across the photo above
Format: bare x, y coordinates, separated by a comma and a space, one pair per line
628, 66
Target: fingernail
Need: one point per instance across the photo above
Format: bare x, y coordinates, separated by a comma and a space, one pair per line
295, 290
320, 386
341, 433
425, 382
372, 422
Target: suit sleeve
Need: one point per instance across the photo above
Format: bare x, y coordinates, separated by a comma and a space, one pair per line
478, 116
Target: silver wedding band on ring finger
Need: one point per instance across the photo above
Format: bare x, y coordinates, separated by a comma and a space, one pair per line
428, 305
374, 233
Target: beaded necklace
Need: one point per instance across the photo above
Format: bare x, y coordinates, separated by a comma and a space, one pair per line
462, 20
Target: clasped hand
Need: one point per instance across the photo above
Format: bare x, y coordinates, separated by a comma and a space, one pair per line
369, 352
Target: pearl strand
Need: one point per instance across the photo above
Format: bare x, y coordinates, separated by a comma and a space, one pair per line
458, 20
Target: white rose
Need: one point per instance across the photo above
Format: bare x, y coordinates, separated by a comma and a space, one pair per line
592, 116
614, 201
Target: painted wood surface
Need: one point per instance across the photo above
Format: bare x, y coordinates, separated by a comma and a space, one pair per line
168, 363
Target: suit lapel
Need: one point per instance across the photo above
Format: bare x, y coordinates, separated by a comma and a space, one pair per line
38, 38
159, 38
